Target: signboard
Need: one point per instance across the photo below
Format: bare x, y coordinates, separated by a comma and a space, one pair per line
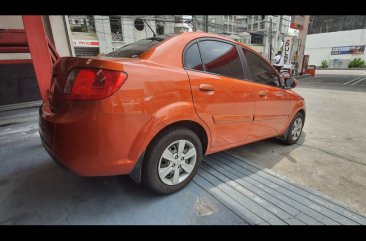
356, 49
86, 43
286, 54
297, 22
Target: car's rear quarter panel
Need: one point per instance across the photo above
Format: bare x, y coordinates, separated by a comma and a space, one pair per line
162, 95
107, 137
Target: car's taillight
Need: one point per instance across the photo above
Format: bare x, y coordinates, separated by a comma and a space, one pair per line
93, 84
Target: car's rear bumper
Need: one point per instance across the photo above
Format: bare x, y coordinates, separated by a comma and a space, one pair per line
87, 141
50, 152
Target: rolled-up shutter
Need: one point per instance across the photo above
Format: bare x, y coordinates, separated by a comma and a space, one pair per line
85, 51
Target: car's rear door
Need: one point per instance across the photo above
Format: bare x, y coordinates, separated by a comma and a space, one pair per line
273, 103
222, 95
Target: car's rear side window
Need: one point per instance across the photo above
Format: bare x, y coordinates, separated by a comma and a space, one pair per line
221, 58
192, 58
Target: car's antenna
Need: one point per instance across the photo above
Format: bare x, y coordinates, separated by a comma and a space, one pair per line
150, 28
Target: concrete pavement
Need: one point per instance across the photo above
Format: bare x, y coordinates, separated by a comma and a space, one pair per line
268, 183
227, 190
331, 153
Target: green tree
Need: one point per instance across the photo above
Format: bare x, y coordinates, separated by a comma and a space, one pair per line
357, 63
324, 64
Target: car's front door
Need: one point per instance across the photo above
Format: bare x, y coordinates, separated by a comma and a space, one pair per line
273, 103
222, 96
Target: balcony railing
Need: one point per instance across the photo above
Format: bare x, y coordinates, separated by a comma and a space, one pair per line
117, 37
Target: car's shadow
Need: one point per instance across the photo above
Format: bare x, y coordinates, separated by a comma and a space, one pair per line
44, 193
34, 189
268, 152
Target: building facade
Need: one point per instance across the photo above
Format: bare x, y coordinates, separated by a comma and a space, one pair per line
93, 35
336, 39
263, 32
334, 23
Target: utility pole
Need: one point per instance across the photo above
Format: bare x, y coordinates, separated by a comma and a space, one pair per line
302, 36
206, 24
270, 38
194, 23
278, 34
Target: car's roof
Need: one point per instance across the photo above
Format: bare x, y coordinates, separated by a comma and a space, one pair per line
169, 51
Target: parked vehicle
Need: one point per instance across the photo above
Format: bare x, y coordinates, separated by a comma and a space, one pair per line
154, 108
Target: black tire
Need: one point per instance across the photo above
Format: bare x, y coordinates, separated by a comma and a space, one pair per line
150, 175
289, 138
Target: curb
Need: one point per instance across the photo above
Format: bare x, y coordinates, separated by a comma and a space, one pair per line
304, 76
318, 68
23, 105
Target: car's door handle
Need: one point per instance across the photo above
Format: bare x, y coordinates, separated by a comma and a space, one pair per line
262, 93
206, 87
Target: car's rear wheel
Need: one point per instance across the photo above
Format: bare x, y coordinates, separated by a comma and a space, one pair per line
172, 160
294, 130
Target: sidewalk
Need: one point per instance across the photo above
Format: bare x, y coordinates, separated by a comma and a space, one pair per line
341, 71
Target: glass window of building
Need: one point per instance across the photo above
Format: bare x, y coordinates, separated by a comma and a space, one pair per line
82, 23
159, 27
116, 28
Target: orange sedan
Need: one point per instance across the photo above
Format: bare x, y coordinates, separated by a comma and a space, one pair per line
153, 108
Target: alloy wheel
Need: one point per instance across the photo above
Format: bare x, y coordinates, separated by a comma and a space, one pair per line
177, 162
296, 129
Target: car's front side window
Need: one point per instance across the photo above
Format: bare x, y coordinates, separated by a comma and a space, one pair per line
261, 72
221, 58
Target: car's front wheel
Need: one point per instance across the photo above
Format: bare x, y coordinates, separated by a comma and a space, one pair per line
295, 129
172, 160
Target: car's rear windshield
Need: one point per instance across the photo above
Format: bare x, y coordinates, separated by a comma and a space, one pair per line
135, 49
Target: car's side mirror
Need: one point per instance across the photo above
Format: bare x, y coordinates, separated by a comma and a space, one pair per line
290, 83
285, 75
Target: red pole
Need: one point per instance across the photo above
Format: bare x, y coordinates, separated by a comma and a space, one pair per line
38, 46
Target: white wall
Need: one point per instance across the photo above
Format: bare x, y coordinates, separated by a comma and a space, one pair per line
103, 30
9, 56
145, 33
11, 22
319, 46
60, 35
258, 48
58, 32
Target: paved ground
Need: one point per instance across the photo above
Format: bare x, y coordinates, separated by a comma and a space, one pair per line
34, 190
331, 154
227, 190
263, 198
230, 188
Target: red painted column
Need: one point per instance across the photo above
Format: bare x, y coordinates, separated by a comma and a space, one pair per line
38, 47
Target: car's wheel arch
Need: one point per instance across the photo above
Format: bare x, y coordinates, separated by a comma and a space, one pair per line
293, 114
302, 111
197, 128
297, 110
163, 120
